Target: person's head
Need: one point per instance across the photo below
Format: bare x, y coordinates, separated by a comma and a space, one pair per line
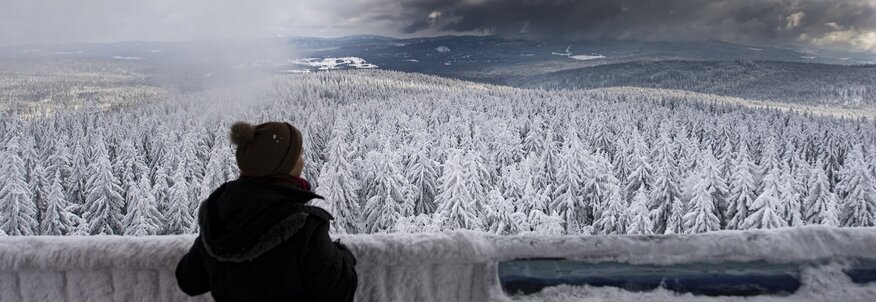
271, 148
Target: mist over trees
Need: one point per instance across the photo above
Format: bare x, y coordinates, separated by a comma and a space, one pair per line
397, 152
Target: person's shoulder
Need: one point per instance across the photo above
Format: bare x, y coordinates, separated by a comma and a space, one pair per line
319, 213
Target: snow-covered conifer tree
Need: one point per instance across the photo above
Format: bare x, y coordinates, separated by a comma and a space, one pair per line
546, 225
422, 172
789, 198
700, 215
455, 204
822, 202
56, 220
60, 160
568, 201
640, 170
765, 213
18, 212
103, 201
339, 187
501, 211
638, 217
214, 171
143, 217
387, 202
857, 188
612, 220
178, 218
666, 198
742, 189
598, 186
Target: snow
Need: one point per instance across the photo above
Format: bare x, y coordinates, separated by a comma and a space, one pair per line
566, 53
584, 57
823, 283
588, 57
450, 266
127, 58
335, 63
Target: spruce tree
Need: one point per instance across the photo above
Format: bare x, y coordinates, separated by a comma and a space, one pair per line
789, 198
143, 217
455, 204
422, 172
18, 212
387, 203
822, 202
60, 161
613, 218
214, 173
765, 213
640, 170
857, 188
568, 201
56, 220
103, 201
179, 218
666, 198
500, 210
546, 225
700, 217
340, 188
599, 186
638, 217
742, 189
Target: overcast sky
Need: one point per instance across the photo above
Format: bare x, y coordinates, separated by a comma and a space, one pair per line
831, 24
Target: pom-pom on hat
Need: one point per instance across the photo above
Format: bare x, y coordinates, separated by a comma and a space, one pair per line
266, 149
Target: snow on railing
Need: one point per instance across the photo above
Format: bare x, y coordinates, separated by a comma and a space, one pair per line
453, 266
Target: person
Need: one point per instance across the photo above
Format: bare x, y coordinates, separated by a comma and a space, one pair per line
259, 240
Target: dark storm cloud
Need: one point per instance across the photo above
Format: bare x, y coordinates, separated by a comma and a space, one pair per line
840, 24
834, 23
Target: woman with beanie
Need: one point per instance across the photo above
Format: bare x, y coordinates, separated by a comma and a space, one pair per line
258, 240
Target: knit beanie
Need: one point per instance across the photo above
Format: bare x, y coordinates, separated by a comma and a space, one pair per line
266, 149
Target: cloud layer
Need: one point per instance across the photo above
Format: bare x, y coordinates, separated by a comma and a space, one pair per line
836, 24
843, 24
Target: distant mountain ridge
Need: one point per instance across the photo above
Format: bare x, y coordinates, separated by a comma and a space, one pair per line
716, 67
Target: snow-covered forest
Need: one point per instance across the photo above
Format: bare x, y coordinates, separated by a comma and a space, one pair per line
399, 152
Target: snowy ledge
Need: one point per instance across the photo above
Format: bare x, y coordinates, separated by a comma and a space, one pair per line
454, 266
802, 244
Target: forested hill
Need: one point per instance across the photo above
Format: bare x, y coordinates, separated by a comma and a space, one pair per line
401, 152
806, 83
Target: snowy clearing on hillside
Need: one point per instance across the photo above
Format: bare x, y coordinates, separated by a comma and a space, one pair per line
335, 63
588, 57
127, 58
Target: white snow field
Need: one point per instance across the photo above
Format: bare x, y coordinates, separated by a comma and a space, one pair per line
451, 266
588, 57
335, 63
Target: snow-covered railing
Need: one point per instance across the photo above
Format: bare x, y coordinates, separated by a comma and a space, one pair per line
454, 266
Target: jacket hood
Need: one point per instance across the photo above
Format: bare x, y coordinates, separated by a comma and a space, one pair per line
243, 219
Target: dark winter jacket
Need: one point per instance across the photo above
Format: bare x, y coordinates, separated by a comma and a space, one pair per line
259, 242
